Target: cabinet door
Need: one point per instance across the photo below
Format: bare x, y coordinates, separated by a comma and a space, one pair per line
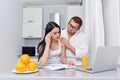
32, 23
32, 30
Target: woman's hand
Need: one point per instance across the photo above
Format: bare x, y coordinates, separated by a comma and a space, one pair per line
71, 63
48, 38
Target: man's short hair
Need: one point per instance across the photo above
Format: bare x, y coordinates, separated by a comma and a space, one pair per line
77, 20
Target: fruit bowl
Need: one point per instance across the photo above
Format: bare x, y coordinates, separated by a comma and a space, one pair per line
25, 65
26, 72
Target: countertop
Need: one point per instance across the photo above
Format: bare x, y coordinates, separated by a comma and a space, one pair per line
69, 74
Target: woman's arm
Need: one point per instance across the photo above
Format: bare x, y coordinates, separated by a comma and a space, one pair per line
44, 58
63, 56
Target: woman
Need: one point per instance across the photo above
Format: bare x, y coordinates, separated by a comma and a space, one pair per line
50, 49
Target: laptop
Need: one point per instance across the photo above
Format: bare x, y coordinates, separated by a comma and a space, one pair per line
106, 59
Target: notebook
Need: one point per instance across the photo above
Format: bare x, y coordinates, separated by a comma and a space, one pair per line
56, 67
106, 59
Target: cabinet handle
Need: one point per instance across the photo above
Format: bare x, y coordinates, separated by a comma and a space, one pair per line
31, 21
30, 36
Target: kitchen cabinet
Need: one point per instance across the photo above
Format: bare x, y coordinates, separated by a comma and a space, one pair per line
32, 23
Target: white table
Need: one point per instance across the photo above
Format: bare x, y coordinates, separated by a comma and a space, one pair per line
70, 74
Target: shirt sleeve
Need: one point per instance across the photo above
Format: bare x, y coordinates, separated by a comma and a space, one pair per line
83, 49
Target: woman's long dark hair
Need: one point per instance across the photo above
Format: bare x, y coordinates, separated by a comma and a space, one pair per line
49, 27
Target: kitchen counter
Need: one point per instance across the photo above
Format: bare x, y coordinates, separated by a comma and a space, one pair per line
70, 74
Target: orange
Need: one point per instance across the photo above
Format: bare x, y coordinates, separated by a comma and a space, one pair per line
25, 58
32, 65
20, 67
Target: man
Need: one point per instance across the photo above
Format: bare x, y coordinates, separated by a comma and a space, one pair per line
74, 40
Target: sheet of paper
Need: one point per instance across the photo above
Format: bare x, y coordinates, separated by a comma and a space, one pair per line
59, 67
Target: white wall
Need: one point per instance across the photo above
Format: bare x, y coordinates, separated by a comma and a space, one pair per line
10, 33
75, 10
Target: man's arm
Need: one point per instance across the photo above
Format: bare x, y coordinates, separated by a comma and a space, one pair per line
72, 49
68, 45
82, 50
78, 51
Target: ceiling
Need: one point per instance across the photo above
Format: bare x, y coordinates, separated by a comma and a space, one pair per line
50, 2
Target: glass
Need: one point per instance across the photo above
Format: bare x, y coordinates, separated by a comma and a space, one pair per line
84, 61
73, 27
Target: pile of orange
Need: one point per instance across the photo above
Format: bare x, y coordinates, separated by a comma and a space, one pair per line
25, 63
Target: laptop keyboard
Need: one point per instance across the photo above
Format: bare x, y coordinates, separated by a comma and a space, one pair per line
89, 69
